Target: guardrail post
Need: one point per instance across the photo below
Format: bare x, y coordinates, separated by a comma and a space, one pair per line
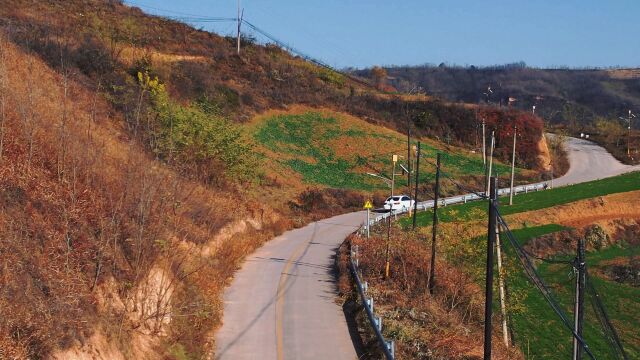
378, 321
365, 287
391, 345
369, 303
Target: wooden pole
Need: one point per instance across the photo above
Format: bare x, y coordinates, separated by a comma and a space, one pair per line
491, 239
513, 164
415, 197
434, 227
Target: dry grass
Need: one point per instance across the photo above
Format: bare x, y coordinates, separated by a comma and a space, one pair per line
601, 210
446, 325
91, 224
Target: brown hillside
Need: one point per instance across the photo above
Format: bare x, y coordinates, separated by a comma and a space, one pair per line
129, 193
110, 42
91, 225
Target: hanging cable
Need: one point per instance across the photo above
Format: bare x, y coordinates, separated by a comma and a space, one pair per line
601, 313
533, 275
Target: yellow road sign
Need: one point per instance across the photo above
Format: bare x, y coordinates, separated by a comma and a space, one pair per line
368, 204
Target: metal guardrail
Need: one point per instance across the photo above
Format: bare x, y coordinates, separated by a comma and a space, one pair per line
458, 199
388, 346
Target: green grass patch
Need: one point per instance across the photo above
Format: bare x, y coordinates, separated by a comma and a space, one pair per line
538, 330
332, 151
538, 200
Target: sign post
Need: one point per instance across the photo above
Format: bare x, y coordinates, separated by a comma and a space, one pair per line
368, 205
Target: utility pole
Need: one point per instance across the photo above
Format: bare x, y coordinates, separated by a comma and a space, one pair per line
513, 163
484, 142
394, 159
501, 287
491, 239
493, 140
240, 15
629, 136
408, 151
578, 314
388, 262
551, 163
434, 227
415, 197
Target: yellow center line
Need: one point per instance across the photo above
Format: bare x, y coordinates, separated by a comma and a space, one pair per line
280, 295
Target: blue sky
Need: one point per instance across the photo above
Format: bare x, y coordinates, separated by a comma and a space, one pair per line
358, 33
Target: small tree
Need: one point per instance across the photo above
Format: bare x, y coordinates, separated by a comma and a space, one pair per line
379, 76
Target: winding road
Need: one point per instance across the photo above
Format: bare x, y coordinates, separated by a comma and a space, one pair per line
589, 161
282, 302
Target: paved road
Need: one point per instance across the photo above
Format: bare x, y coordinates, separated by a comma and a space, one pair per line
589, 161
282, 303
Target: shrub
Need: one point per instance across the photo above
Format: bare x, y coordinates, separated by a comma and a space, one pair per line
596, 237
187, 135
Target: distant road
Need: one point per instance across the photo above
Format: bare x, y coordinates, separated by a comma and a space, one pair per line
589, 161
282, 302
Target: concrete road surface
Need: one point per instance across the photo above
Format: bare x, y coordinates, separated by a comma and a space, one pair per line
282, 303
589, 161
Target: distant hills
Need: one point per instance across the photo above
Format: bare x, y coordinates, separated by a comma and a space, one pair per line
573, 97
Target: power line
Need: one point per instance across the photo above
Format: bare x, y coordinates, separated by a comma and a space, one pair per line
137, 4
603, 318
303, 55
533, 275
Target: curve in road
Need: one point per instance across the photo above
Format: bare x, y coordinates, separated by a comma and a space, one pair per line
589, 161
282, 302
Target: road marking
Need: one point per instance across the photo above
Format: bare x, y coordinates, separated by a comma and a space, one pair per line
280, 293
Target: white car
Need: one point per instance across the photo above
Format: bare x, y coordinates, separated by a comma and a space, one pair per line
398, 202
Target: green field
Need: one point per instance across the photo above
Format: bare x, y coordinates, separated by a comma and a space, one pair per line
538, 200
337, 151
538, 331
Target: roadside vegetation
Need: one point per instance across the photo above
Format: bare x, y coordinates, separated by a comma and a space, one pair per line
538, 199
547, 224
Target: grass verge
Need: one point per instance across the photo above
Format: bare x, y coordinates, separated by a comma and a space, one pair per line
538, 200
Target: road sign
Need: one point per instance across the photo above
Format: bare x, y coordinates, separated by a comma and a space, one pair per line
368, 204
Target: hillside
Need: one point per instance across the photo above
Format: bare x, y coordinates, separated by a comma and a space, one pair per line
142, 160
109, 42
579, 100
567, 95
305, 147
